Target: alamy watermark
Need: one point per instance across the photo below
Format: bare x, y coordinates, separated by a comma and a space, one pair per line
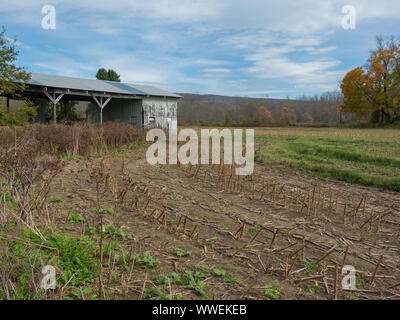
49, 280
349, 279
193, 152
349, 20
49, 20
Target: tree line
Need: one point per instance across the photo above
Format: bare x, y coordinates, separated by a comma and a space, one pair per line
197, 109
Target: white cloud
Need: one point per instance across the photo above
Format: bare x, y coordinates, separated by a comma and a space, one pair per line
202, 62
288, 57
155, 41
313, 50
65, 66
216, 70
270, 63
300, 17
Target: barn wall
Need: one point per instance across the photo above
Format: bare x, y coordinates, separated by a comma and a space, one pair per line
41, 110
124, 110
159, 112
16, 104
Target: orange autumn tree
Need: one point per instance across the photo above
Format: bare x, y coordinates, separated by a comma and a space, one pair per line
375, 90
355, 91
287, 114
263, 114
306, 118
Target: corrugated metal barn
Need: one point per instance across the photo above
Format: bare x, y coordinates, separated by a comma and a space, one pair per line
140, 105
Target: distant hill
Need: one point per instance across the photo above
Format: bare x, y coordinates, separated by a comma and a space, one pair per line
196, 108
227, 101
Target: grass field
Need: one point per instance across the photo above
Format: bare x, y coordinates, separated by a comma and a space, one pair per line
367, 157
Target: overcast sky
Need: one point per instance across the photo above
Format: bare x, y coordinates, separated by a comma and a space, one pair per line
231, 47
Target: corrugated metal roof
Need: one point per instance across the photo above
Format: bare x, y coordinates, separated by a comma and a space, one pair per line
52, 81
153, 91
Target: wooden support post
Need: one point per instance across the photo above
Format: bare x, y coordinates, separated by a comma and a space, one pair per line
54, 99
101, 105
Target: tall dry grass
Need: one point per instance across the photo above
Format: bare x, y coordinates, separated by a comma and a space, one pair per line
79, 139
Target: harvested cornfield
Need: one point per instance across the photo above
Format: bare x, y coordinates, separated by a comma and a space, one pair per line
116, 227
